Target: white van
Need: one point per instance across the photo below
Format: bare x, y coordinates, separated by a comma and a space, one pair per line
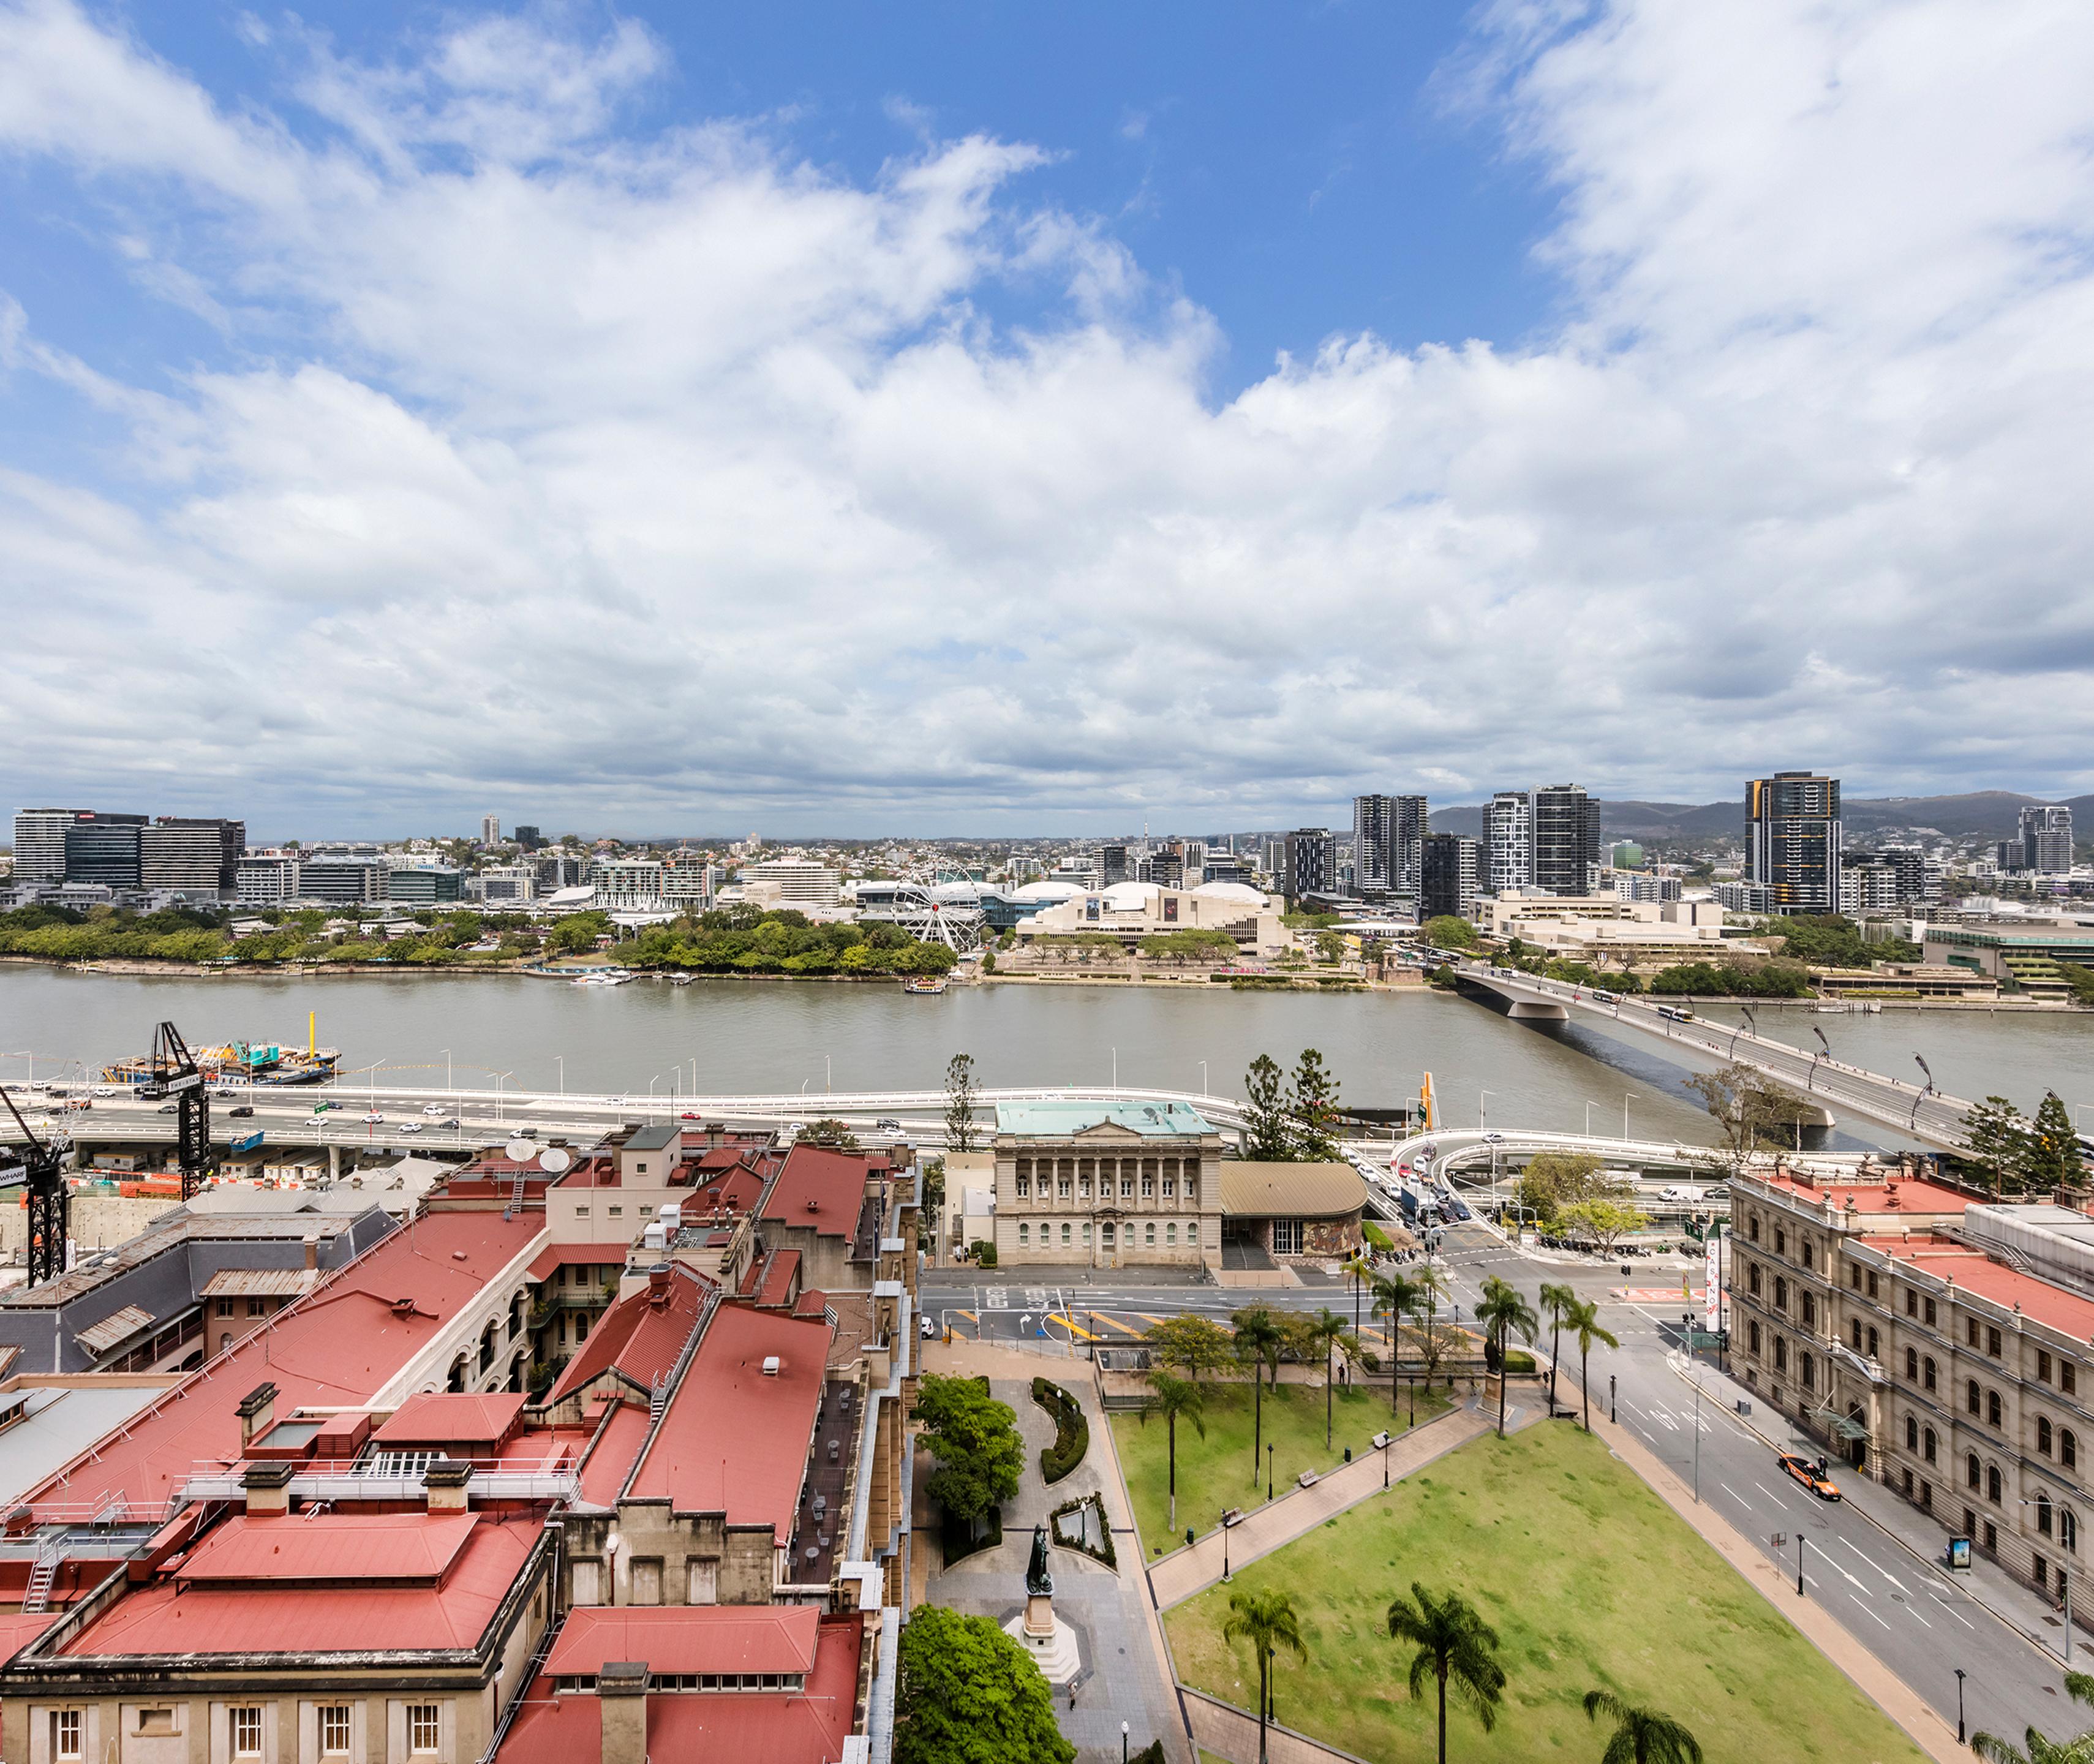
1685, 1193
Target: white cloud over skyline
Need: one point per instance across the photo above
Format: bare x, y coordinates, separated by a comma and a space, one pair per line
661, 480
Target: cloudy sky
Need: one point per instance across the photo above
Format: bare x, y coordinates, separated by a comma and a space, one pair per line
953, 418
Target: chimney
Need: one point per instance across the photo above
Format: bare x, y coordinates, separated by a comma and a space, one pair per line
268, 1488
658, 1287
312, 1245
446, 1479
621, 1690
258, 1414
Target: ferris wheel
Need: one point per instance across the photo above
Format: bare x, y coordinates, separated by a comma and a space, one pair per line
935, 915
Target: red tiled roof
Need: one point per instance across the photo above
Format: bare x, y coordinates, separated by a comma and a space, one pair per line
611, 1458
18, 1629
750, 1470
689, 1638
328, 1546
2040, 1301
736, 1192
810, 1303
775, 1275
336, 1349
638, 1339
554, 1257
1927, 1199
445, 1418
170, 1616
832, 1182
807, 1727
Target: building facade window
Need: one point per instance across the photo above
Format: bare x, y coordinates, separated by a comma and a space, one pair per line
2043, 1435
1912, 1433
334, 1730
1992, 1408
1973, 1472
1808, 1371
1926, 1444
1024, 1235
2068, 1448
1753, 1337
425, 1727
66, 1733
1972, 1401
246, 1723
1752, 1278
1928, 1378
1912, 1365
1992, 1484
2068, 1529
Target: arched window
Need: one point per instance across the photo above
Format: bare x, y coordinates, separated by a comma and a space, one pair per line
1753, 1337
1810, 1311
2068, 1448
1810, 1372
1753, 1278
1926, 1446
1971, 1399
1991, 1408
1992, 1484
2043, 1514
1874, 1342
1972, 1469
1780, 1294
2068, 1529
1854, 1332
1928, 1380
1807, 1252
1912, 1433
1781, 1353
2043, 1436
456, 1381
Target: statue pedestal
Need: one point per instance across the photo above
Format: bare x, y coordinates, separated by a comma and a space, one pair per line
1049, 1643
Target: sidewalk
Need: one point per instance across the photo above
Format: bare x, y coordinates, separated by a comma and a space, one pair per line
1187, 1571
2021, 1609
1875, 1681
1232, 1733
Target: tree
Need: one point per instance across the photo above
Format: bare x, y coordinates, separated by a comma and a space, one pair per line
1748, 1110
1641, 1735
1503, 1310
1328, 1329
1193, 1344
976, 1441
960, 1129
1582, 1320
1256, 1335
1314, 1106
1171, 1397
2054, 1158
1396, 1297
1445, 931
967, 1694
1554, 1180
1606, 1223
1999, 1138
829, 1131
930, 1197
1268, 1136
1556, 1300
1455, 1646
1267, 1621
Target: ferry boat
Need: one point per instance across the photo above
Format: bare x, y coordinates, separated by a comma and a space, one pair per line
930, 983
607, 977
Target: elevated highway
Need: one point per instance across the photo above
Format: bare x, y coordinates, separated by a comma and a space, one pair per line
1921, 1112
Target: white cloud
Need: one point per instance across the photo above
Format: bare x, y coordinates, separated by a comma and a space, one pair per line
665, 480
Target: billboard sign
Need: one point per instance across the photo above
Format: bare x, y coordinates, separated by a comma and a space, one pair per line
1712, 1299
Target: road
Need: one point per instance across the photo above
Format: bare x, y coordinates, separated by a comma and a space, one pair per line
1919, 1620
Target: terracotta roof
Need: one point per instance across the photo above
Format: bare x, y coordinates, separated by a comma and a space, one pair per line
1973, 1271
611, 1458
170, 1616
1927, 1199
443, 1418
737, 1191
820, 1188
689, 1638
750, 1469
328, 1546
637, 1339
335, 1349
554, 1257
1291, 1191
18, 1629
807, 1727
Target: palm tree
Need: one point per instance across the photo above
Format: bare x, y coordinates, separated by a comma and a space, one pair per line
1556, 1299
1361, 1271
1328, 1327
1256, 1334
1454, 1645
2079, 1687
1641, 1735
1503, 1310
1396, 1297
1582, 1320
1268, 1621
1432, 1288
1171, 1397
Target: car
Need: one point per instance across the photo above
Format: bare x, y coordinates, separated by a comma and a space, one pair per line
168, 1108
886, 1126
688, 1116
375, 1119
1812, 1473
104, 1090
432, 1108
1493, 1139
225, 1093
410, 1127
242, 1111
926, 1327
1721, 1191
449, 1121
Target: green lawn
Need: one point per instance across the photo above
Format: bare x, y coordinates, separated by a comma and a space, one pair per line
1216, 1472
1590, 1581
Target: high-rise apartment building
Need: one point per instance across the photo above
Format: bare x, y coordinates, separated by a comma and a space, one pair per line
529, 839
1413, 821
1508, 841
40, 843
1373, 818
1163, 867
1565, 824
197, 856
266, 878
2046, 839
1311, 863
490, 829
1793, 841
1450, 874
1112, 864
103, 849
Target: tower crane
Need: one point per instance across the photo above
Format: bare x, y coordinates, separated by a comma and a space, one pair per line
171, 1072
43, 1174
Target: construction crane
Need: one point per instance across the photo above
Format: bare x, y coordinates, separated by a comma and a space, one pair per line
43, 1175
171, 1072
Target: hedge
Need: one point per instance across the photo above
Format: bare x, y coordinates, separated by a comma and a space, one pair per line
1072, 1432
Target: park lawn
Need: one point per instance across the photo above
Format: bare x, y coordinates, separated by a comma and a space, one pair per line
1590, 1580
1214, 1472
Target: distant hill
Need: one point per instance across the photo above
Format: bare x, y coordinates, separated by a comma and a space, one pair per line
1981, 813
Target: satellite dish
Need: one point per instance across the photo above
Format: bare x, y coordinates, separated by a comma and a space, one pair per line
519, 1150
556, 1158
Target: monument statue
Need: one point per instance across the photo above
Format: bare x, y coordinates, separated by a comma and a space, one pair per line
1039, 1580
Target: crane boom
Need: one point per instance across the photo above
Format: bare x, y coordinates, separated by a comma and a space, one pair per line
50, 1201
172, 1072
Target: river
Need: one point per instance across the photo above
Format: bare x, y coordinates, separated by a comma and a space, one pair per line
719, 1036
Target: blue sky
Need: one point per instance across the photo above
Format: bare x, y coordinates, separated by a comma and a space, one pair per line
976, 417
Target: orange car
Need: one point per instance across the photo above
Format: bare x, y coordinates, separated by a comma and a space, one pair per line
1812, 1474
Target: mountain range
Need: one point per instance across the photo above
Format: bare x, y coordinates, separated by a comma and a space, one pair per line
1977, 814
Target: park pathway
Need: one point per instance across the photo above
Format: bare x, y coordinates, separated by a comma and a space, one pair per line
1189, 1570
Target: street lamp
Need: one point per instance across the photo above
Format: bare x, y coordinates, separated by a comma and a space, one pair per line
1115, 1060
1924, 1094
1122, 1742
1203, 1078
1746, 1012
1627, 1097
560, 1060
1960, 1739
1481, 1095
446, 1053
1268, 1470
1225, 1545
1824, 1052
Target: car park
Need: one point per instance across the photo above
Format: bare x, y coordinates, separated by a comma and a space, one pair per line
1813, 1473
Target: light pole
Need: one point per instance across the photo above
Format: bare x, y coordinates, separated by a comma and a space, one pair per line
1481, 1095
1203, 1078
1122, 1742
1627, 1097
1923, 1094
829, 1076
1225, 1546
1588, 1118
1824, 1052
1115, 1060
1960, 1738
446, 1052
560, 1060
500, 1083
1268, 1470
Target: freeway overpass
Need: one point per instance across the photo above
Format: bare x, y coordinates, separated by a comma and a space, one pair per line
1920, 1112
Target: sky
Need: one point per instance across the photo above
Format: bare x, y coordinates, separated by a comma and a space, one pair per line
953, 418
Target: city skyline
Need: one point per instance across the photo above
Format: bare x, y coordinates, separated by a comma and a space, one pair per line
895, 442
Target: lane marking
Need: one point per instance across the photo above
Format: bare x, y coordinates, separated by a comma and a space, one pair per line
1734, 1494
1864, 1605
1771, 1495
1951, 1610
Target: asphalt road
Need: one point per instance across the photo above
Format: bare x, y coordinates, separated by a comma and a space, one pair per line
1918, 1619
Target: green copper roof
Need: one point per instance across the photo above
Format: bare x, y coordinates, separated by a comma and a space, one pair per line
1072, 1115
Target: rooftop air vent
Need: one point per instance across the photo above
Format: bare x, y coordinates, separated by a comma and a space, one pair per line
771, 1365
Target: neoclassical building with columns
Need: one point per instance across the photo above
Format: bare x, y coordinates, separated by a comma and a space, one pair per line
1106, 1185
